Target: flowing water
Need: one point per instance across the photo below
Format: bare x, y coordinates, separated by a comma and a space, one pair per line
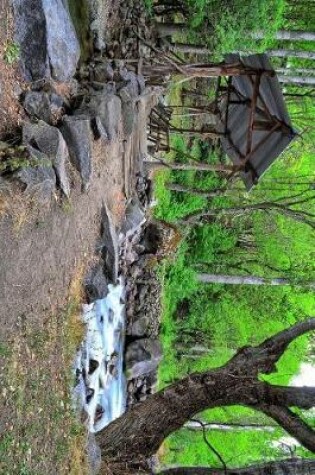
101, 384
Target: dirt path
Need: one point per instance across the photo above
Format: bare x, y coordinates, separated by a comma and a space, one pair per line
39, 259
11, 84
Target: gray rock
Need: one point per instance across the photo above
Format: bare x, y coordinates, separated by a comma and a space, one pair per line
128, 110
98, 129
39, 177
103, 72
96, 284
110, 245
49, 46
77, 133
142, 357
37, 105
44, 106
134, 217
107, 107
140, 327
51, 142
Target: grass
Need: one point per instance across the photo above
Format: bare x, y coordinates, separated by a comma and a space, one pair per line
40, 432
11, 52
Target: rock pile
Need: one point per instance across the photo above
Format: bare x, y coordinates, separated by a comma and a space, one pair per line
109, 105
143, 351
135, 26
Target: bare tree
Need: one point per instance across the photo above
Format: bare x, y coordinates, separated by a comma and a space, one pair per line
248, 280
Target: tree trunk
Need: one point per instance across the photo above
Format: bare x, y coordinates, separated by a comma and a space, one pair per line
288, 71
158, 165
169, 29
247, 280
297, 35
284, 467
285, 208
186, 48
139, 433
284, 53
299, 80
194, 425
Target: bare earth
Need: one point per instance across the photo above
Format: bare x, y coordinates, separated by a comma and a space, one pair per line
11, 84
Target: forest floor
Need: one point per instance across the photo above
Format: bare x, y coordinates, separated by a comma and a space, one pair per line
11, 83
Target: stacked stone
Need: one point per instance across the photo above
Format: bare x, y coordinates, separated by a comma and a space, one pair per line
143, 309
134, 24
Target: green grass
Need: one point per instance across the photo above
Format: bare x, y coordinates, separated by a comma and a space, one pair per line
11, 52
40, 432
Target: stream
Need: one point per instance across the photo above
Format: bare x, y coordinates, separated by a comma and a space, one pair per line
101, 384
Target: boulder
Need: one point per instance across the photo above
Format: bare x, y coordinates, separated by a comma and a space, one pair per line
128, 110
44, 106
141, 327
103, 71
39, 178
105, 106
134, 217
37, 105
142, 357
50, 141
109, 243
96, 284
77, 133
48, 43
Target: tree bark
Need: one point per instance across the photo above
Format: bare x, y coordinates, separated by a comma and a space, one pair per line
285, 208
283, 467
299, 80
139, 433
289, 71
284, 53
158, 165
298, 35
186, 48
223, 426
248, 280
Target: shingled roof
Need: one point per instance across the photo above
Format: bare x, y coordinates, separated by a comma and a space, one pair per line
254, 118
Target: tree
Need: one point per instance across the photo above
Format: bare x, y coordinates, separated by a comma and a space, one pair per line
248, 280
285, 206
284, 53
283, 467
139, 433
300, 80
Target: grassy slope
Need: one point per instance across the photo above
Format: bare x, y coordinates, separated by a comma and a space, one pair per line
40, 433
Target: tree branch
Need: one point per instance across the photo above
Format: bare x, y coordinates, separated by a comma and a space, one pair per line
292, 424
263, 358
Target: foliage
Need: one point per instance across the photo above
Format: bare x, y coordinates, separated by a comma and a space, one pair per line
204, 325
226, 25
11, 52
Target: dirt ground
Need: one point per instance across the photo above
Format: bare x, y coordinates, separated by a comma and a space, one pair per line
11, 84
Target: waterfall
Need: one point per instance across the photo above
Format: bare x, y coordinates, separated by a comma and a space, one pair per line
101, 384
